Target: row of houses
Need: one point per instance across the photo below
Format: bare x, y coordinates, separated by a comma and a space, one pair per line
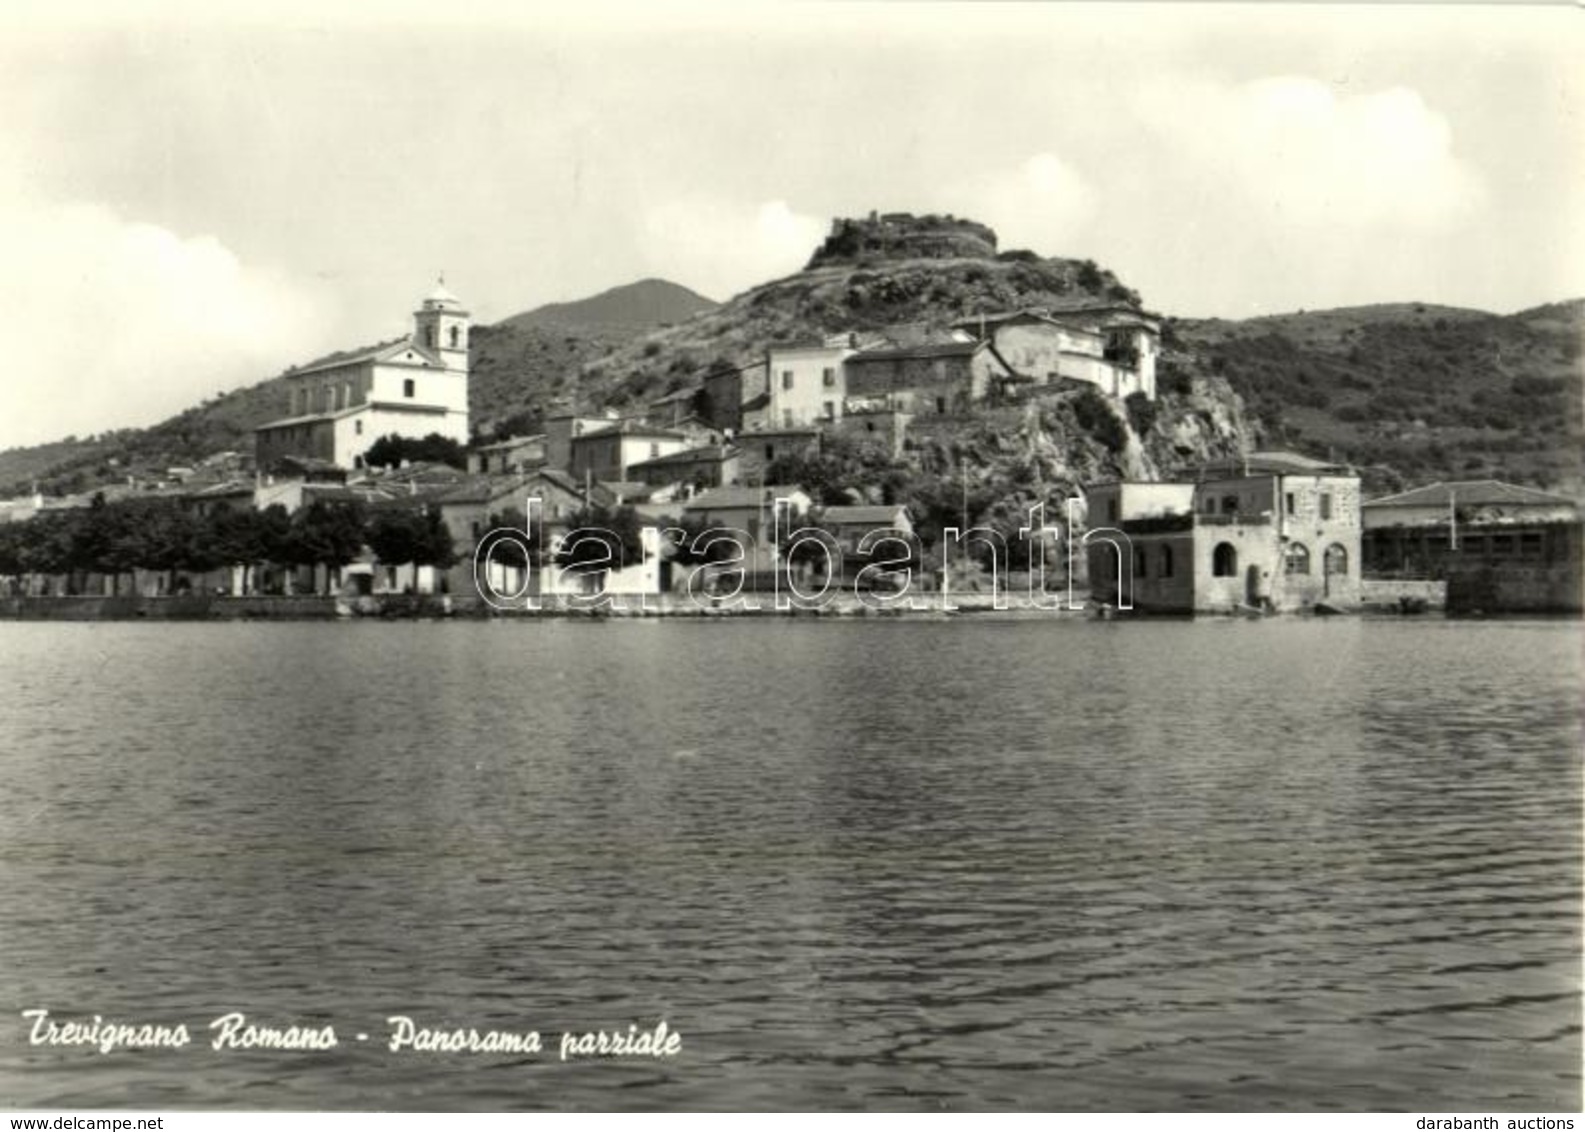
918, 371
1271, 531
1274, 530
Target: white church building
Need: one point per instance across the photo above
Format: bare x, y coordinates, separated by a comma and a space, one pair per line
411, 387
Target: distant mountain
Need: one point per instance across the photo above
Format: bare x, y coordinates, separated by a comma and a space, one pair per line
629, 309
528, 363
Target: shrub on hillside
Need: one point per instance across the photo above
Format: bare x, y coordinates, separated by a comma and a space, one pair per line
1141, 412
1095, 416
1171, 378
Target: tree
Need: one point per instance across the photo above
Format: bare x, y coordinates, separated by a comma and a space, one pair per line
240, 538
390, 451
601, 539
325, 534
691, 549
507, 539
401, 535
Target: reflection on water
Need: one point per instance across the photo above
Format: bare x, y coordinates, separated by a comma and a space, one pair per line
882, 865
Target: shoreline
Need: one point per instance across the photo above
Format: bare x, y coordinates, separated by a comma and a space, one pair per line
439, 607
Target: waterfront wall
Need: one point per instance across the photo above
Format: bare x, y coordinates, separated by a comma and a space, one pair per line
1388, 591
1554, 588
390, 606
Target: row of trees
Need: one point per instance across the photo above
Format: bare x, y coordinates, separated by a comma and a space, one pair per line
116, 538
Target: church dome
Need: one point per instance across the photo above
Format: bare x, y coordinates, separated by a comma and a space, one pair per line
441, 299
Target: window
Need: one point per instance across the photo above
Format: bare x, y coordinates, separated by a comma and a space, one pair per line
1335, 560
831, 410
456, 332
941, 404
1224, 561
1230, 504
1296, 559
429, 335
770, 452
1210, 504
869, 426
828, 378
1139, 562
786, 379
1326, 505
1166, 562
408, 387
654, 451
1288, 502
357, 428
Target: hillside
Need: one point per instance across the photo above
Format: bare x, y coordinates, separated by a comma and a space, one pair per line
1412, 392
511, 361
924, 273
868, 293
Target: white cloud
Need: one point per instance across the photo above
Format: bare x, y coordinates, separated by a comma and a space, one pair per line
721, 247
1044, 205
1296, 151
109, 322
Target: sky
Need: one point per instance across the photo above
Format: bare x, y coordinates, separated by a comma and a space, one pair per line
192, 198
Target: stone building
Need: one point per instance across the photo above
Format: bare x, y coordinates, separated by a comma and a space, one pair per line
1273, 531
1111, 346
933, 378
808, 384
608, 453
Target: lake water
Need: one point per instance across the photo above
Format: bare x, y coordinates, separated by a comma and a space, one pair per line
887, 865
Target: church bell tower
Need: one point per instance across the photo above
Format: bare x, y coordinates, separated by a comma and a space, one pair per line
441, 324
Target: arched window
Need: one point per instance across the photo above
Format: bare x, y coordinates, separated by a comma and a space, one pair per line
1224, 561
1139, 563
1166, 562
1336, 559
1296, 559
456, 332
429, 335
